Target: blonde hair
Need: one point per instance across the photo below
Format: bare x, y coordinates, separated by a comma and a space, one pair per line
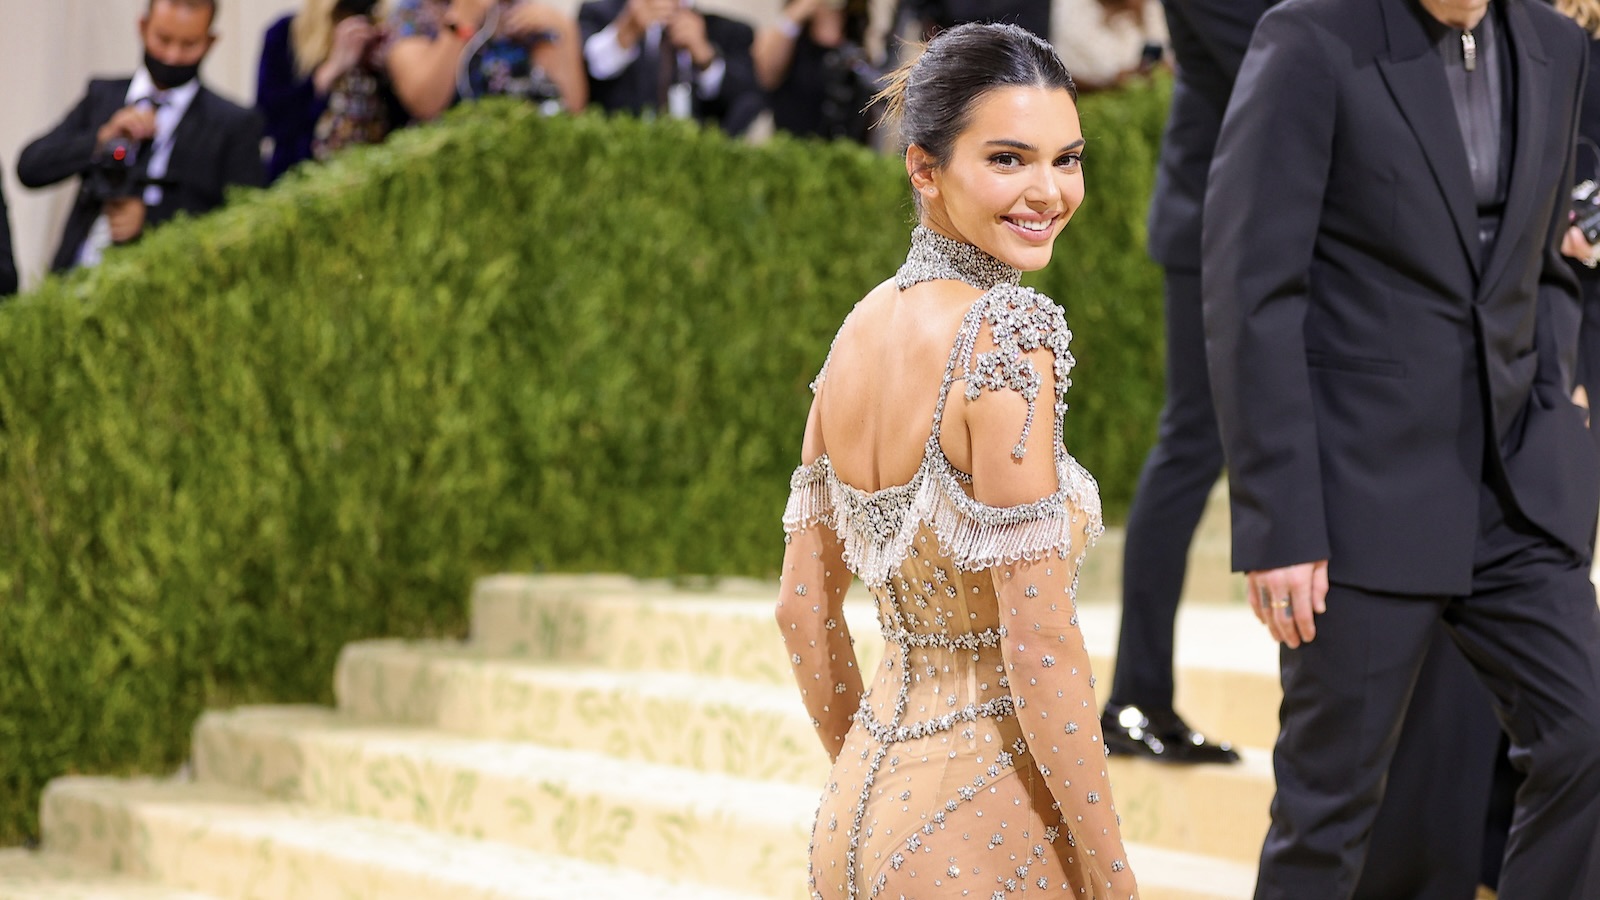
311, 33
1584, 12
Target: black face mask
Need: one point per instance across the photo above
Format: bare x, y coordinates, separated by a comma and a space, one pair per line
167, 76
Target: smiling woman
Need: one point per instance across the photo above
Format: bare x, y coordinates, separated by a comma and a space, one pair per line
970, 764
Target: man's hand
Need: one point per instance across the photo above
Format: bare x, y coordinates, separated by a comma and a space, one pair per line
1576, 246
126, 216
687, 31
136, 123
1287, 599
530, 18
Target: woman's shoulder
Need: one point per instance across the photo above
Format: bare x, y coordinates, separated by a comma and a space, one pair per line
1018, 321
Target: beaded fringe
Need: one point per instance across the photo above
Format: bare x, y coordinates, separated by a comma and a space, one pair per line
973, 535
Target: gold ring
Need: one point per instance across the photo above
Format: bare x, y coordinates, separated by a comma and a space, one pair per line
1281, 604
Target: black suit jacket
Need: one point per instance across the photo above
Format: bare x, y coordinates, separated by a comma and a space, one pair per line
1209, 39
217, 144
1370, 371
8, 265
734, 109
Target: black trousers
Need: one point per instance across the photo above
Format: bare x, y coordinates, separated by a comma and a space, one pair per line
1530, 630
1171, 496
1432, 837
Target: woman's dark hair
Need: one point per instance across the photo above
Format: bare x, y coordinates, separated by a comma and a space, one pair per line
932, 96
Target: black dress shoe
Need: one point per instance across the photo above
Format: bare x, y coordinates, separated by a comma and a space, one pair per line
1160, 735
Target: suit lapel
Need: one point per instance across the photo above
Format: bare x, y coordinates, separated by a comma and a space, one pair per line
190, 141
1416, 79
1533, 95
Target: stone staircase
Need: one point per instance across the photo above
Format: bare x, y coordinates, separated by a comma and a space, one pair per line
600, 737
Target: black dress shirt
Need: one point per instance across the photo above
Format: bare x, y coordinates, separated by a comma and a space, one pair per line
1479, 69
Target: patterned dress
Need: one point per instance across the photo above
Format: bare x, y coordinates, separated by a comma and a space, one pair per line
972, 765
502, 66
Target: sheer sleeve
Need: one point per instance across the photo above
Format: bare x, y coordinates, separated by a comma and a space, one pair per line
811, 600
1046, 662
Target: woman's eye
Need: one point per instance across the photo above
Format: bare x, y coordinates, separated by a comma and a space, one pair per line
1070, 160
1006, 159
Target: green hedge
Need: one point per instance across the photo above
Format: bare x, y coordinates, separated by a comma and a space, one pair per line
503, 343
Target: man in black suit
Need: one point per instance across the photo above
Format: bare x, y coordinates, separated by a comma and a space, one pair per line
1209, 38
1389, 332
185, 143
8, 265
664, 58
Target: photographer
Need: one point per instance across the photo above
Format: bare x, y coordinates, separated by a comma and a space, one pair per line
150, 146
665, 58
444, 51
321, 84
820, 81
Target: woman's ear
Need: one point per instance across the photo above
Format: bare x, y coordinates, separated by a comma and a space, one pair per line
920, 167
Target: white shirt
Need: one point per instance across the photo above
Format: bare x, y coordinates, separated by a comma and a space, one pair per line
607, 59
170, 110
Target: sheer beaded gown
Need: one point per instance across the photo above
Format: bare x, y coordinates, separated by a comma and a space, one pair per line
972, 765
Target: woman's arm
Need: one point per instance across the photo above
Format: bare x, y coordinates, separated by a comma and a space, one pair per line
810, 609
1046, 662
773, 49
422, 67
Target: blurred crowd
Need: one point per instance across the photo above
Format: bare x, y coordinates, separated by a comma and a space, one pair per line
337, 73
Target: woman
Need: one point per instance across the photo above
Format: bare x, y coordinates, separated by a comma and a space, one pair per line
318, 87
934, 471
811, 63
444, 51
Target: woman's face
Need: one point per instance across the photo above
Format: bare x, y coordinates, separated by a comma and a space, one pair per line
1013, 179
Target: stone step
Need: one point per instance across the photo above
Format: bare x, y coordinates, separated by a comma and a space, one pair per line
1214, 811
1209, 577
28, 875
658, 819
734, 728
665, 821
738, 728
1226, 665
233, 845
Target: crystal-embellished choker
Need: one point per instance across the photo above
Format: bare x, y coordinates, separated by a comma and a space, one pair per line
933, 257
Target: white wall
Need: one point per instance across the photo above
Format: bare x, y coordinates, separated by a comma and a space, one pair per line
50, 48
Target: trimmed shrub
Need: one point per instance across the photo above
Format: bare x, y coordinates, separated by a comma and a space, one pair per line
503, 343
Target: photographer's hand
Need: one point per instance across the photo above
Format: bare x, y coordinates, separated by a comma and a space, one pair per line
136, 123
638, 16
351, 38
126, 217
687, 31
1576, 246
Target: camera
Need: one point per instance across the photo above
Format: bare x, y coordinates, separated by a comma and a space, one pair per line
1586, 210
117, 170
850, 84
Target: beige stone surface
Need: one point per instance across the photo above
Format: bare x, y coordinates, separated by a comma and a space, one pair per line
28, 875
230, 844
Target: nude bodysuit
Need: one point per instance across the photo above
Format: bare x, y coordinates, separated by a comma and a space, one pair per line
973, 765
